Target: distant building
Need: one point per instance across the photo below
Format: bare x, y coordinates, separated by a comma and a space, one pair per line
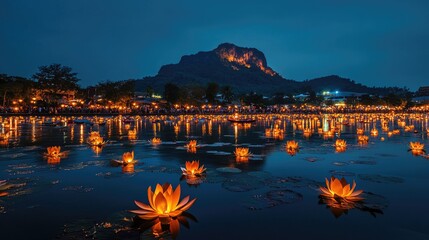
340, 97
421, 99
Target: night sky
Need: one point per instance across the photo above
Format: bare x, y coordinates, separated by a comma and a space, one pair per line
378, 43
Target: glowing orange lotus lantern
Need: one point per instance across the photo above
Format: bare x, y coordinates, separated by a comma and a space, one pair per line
362, 139
193, 168
54, 152
192, 146
360, 131
292, 147
409, 128
132, 134
128, 158
95, 139
93, 135
328, 134
242, 152
163, 203
340, 145
155, 141
374, 132
340, 188
417, 148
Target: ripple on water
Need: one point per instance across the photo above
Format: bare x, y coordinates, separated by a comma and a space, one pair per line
376, 178
273, 198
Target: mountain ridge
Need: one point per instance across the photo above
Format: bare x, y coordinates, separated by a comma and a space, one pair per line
244, 70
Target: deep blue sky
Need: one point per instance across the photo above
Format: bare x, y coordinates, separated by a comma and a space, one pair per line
374, 42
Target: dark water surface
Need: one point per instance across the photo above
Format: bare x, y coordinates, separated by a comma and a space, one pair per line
273, 195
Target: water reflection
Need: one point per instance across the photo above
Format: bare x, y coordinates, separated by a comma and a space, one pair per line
162, 230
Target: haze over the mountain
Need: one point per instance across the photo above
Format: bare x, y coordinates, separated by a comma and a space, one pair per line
245, 70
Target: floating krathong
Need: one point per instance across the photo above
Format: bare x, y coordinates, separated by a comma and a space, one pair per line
242, 152
340, 145
360, 131
155, 141
54, 152
292, 147
95, 139
163, 204
128, 158
192, 146
363, 139
417, 148
132, 134
374, 132
340, 188
193, 168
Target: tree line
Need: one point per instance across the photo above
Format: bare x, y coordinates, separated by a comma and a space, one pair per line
55, 80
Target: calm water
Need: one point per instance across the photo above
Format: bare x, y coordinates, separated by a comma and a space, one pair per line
273, 195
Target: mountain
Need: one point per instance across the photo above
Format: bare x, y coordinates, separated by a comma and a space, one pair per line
243, 69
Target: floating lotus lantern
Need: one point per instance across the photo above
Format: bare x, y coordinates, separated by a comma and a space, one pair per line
268, 132
340, 145
95, 139
193, 168
360, 131
340, 189
192, 146
242, 152
292, 147
163, 204
155, 141
409, 128
417, 148
128, 158
328, 134
363, 139
374, 132
54, 152
132, 134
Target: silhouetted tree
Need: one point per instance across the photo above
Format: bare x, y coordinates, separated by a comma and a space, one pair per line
227, 94
56, 77
211, 91
171, 93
